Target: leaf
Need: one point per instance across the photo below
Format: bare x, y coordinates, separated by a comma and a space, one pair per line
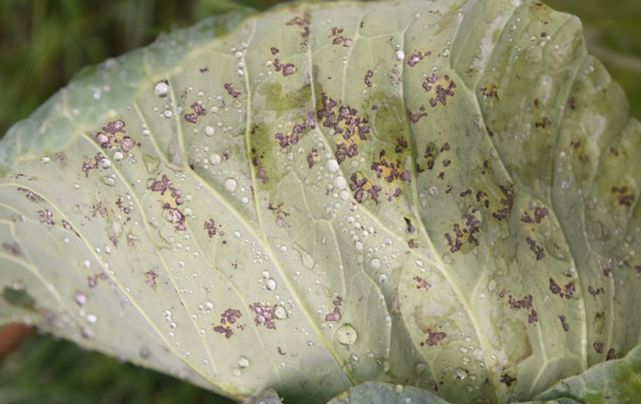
616, 381
434, 194
384, 393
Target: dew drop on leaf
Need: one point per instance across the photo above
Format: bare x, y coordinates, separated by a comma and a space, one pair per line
270, 284
161, 89
231, 184
280, 312
108, 180
346, 334
215, 159
332, 166
243, 362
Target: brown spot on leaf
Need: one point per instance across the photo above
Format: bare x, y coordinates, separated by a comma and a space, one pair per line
538, 251
564, 323
231, 90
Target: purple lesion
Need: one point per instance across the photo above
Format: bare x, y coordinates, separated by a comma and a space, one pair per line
286, 69
278, 209
432, 152
507, 379
416, 57
285, 140
257, 162
303, 22
46, 216
567, 291
624, 196
212, 228
539, 252
228, 323
338, 38
99, 161
536, 217
525, 303
363, 188
506, 203
173, 199
335, 315
434, 338
439, 89
347, 125
12, 249
465, 232
312, 157
30, 195
415, 117
151, 277
231, 90
564, 323
113, 136
422, 283
367, 79
197, 110
389, 170
265, 314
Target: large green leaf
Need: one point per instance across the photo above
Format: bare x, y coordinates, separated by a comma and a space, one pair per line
432, 193
617, 381
384, 393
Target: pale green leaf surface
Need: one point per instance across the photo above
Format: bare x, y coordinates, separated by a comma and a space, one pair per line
616, 381
385, 393
441, 194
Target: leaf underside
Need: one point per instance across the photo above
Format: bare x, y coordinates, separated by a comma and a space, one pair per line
439, 194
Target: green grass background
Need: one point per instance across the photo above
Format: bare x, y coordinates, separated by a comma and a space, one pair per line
43, 43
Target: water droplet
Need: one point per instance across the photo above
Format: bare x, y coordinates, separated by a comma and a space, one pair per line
280, 312
375, 263
80, 298
400, 55
161, 89
151, 163
207, 306
491, 285
305, 257
118, 156
167, 113
460, 373
209, 130
109, 181
243, 362
332, 166
231, 184
91, 318
215, 159
270, 284
346, 334
340, 182
144, 352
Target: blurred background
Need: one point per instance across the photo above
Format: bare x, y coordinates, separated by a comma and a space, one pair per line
43, 43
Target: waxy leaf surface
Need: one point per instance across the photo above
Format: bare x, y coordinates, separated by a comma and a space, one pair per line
441, 194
